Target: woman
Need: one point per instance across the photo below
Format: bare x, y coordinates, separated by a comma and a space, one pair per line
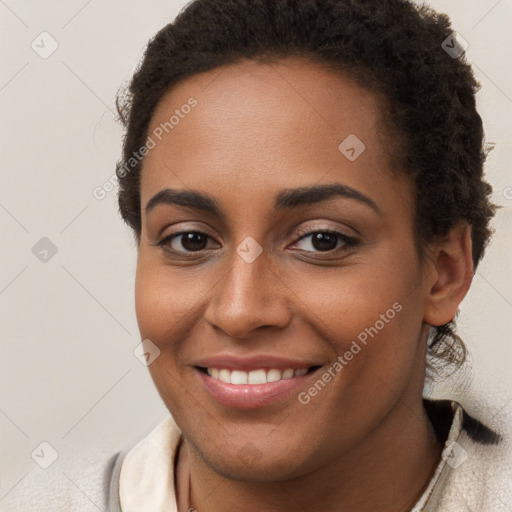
304, 181
309, 212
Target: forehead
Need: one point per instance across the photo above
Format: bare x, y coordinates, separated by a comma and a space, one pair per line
257, 127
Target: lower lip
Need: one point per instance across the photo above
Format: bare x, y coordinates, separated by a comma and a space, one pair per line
251, 396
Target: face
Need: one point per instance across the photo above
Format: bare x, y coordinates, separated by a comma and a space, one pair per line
299, 257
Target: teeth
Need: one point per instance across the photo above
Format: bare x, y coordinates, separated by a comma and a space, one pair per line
255, 376
287, 374
273, 375
225, 376
238, 377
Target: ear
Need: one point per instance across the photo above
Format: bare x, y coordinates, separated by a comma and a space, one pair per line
452, 275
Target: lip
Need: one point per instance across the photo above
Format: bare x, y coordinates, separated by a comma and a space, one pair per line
252, 396
265, 361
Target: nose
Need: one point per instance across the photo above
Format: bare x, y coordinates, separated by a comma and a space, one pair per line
249, 296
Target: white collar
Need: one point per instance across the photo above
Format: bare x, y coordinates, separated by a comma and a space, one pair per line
453, 436
146, 481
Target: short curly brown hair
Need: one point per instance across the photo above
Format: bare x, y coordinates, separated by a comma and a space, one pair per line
391, 47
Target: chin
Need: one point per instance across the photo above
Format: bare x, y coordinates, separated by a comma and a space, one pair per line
263, 470
251, 464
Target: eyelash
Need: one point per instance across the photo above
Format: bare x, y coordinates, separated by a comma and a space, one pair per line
349, 242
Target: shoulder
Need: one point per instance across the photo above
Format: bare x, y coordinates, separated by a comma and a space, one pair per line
94, 482
77, 484
478, 470
478, 475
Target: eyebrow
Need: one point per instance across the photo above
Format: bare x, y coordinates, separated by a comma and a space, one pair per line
286, 199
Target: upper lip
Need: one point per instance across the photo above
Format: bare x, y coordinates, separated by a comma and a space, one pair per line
230, 362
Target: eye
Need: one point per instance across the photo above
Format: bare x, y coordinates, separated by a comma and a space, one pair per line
190, 241
326, 240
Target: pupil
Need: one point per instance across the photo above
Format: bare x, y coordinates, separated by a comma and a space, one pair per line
192, 241
324, 241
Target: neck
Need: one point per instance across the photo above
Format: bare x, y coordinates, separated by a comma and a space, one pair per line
386, 472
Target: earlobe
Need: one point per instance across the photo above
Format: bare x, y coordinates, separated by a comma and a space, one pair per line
454, 273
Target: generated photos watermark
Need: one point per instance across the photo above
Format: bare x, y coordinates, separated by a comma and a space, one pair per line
101, 191
305, 396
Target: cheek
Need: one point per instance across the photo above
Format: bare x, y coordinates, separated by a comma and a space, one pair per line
372, 330
161, 310
372, 317
164, 304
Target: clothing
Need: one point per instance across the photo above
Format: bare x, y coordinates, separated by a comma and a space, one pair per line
473, 475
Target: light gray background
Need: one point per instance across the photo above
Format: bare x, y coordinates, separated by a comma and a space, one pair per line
68, 373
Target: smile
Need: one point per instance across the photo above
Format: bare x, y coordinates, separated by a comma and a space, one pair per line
255, 388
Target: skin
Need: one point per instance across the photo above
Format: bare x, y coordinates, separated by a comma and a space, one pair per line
364, 442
